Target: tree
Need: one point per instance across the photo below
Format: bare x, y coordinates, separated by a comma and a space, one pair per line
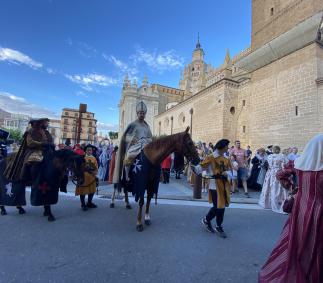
15, 134
113, 135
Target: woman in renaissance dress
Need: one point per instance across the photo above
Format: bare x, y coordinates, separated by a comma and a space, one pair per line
273, 195
298, 255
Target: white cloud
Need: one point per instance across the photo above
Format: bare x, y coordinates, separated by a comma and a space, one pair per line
123, 67
89, 80
82, 94
82, 48
50, 71
18, 105
17, 57
112, 109
103, 127
158, 61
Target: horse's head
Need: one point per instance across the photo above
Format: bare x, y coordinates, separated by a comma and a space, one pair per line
77, 167
188, 148
65, 159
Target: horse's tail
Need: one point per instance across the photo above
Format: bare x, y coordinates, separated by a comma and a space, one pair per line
156, 196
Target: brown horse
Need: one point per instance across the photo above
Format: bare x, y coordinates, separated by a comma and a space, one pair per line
156, 152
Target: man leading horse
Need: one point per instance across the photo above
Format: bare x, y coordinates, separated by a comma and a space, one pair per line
39, 165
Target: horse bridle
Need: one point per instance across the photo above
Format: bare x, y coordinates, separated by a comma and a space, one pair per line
74, 177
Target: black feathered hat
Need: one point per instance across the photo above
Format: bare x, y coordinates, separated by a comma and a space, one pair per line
222, 144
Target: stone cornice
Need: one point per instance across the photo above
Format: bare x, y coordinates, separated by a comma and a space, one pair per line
223, 82
300, 36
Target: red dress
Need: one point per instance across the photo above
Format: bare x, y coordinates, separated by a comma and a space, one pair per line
298, 255
167, 163
112, 165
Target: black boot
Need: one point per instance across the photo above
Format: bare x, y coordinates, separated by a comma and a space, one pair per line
90, 204
46, 210
21, 210
3, 210
51, 217
83, 205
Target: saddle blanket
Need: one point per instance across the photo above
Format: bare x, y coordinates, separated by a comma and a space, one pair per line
143, 175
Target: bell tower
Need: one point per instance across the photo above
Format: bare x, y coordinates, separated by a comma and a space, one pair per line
198, 53
194, 75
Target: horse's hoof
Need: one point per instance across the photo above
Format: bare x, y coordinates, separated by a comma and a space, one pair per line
140, 228
111, 205
147, 222
3, 212
128, 206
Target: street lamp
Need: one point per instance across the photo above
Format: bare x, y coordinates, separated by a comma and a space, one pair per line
191, 127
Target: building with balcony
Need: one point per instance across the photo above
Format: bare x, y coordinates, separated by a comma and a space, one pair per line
16, 122
78, 125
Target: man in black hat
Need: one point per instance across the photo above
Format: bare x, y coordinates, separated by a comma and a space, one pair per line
37, 142
28, 166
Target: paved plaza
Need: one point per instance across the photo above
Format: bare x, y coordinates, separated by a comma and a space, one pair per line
179, 190
102, 245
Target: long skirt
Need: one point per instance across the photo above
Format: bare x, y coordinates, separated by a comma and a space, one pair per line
273, 195
298, 255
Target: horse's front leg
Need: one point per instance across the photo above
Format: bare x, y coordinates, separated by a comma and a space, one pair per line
140, 227
147, 215
126, 199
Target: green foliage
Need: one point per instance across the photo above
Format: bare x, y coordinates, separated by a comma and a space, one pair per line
113, 135
15, 134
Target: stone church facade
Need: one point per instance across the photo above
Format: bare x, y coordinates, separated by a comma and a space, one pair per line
270, 93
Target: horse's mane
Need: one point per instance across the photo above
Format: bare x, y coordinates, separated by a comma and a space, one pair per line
65, 153
164, 141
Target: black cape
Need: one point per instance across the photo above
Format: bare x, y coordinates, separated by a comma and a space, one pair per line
11, 194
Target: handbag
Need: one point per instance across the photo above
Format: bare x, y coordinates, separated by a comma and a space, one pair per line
35, 156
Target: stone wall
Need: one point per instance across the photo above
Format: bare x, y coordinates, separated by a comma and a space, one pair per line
286, 14
320, 84
276, 91
208, 117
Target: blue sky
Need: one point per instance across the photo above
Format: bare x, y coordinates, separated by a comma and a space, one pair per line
59, 53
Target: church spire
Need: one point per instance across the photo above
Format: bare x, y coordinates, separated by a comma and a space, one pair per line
198, 45
227, 59
126, 81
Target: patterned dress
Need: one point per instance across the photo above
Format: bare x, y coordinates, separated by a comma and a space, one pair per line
273, 194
